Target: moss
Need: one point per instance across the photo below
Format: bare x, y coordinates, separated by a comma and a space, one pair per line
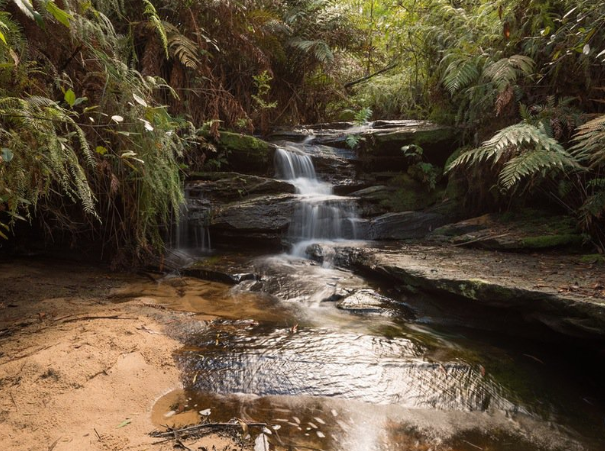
593, 258
244, 153
549, 241
409, 195
239, 142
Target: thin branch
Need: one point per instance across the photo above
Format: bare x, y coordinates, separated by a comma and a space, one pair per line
367, 77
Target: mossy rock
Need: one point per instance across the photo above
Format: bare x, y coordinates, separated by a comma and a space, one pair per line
244, 153
400, 193
437, 142
410, 194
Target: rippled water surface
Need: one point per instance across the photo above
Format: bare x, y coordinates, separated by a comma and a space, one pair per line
377, 377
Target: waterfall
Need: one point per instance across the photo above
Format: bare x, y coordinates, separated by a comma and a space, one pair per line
190, 233
320, 214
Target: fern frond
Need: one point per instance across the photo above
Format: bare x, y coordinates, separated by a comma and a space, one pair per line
523, 150
320, 50
182, 48
505, 71
531, 163
590, 142
461, 72
157, 24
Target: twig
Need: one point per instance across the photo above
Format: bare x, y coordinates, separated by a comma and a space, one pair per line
86, 318
98, 436
51, 447
367, 77
474, 446
200, 427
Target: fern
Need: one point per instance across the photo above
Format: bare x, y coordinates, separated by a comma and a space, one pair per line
319, 49
461, 72
182, 48
590, 143
505, 71
157, 24
523, 150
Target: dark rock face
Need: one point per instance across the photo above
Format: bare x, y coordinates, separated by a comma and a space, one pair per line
230, 186
380, 149
405, 225
264, 218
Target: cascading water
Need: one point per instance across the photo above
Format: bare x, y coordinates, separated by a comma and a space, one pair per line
190, 232
320, 215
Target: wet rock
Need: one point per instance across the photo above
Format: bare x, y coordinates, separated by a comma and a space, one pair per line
264, 218
369, 302
231, 269
405, 225
224, 187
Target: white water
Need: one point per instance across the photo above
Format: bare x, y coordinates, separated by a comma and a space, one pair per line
190, 234
320, 215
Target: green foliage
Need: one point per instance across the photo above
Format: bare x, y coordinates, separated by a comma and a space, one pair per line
157, 24
422, 171
44, 147
521, 152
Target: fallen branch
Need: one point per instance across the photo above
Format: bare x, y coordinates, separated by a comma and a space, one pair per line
202, 428
86, 318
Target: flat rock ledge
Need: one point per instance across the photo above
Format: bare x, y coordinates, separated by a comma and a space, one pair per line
559, 291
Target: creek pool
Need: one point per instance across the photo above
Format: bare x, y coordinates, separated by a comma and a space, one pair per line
383, 374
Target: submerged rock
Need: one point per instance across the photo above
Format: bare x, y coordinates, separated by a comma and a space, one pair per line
368, 301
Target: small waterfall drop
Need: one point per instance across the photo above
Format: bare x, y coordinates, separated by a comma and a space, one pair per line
321, 215
190, 233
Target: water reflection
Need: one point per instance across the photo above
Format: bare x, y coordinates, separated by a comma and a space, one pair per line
316, 362
299, 423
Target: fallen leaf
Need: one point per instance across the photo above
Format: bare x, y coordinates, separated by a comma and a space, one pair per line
126, 422
261, 443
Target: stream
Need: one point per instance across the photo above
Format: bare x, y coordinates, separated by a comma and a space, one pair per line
332, 361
